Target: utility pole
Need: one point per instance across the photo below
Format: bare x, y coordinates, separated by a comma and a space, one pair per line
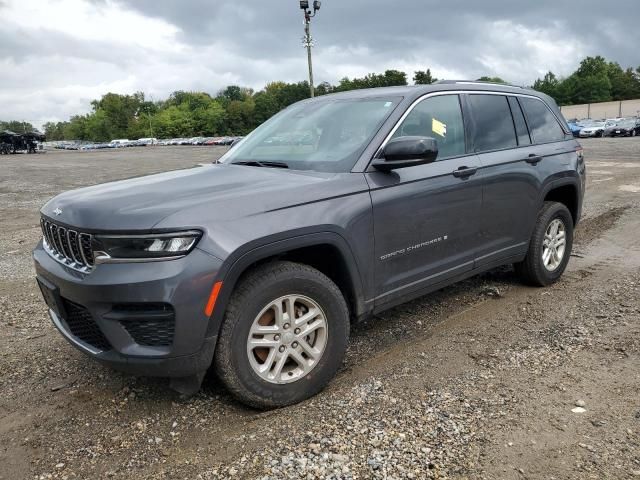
307, 40
149, 117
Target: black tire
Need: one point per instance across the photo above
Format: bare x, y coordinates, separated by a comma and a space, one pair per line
256, 290
532, 270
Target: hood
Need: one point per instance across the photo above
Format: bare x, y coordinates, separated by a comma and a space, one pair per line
226, 191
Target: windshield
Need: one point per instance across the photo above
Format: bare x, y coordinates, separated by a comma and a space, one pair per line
626, 123
326, 135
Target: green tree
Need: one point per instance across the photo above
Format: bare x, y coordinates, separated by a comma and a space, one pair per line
592, 89
239, 119
324, 88
591, 66
549, 84
117, 112
16, 126
76, 128
266, 105
423, 78
491, 80
389, 78
174, 122
625, 85
54, 130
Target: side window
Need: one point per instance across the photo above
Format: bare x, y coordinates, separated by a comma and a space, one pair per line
543, 125
438, 117
518, 120
494, 128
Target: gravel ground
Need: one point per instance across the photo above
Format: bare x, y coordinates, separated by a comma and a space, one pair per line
483, 379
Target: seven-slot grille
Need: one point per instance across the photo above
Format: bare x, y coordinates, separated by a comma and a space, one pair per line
68, 246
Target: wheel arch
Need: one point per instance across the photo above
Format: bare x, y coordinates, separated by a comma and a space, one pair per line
567, 192
328, 252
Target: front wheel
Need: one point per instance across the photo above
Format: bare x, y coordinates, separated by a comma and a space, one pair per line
550, 246
284, 335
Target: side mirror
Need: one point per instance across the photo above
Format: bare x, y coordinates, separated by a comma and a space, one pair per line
405, 152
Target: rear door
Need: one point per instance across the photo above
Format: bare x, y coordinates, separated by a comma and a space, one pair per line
426, 217
508, 172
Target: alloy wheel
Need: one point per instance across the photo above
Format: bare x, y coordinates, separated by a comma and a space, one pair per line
287, 339
554, 245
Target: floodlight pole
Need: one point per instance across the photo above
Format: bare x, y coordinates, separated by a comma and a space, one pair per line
308, 44
307, 40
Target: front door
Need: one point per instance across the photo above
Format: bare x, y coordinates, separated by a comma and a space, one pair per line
426, 217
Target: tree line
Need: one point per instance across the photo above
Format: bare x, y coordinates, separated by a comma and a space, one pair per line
16, 126
236, 110
233, 111
596, 80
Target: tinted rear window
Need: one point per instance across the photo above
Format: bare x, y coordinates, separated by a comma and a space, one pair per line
543, 125
493, 123
519, 122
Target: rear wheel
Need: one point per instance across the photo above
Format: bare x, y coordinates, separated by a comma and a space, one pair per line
550, 246
284, 335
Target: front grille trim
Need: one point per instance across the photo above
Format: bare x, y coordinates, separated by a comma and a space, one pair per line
62, 243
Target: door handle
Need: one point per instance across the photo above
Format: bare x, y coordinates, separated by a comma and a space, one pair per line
533, 159
464, 172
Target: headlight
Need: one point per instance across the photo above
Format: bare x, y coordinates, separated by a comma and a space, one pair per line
122, 248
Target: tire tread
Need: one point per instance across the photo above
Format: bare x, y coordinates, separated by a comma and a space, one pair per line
251, 282
531, 270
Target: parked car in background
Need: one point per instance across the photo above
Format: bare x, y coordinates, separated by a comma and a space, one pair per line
595, 129
119, 143
575, 128
225, 141
628, 127
148, 141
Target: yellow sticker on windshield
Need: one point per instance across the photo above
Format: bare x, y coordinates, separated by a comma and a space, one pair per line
439, 128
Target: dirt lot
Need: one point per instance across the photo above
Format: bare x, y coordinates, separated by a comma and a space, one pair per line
476, 381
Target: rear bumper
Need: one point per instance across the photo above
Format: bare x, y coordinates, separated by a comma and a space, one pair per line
102, 306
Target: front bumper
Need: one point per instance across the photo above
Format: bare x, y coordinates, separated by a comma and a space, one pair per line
112, 314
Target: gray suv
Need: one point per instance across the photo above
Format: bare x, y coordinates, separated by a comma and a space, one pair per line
337, 208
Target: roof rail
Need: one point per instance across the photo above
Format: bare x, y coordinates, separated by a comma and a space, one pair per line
474, 82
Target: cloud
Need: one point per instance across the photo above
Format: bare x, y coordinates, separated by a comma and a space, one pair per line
56, 56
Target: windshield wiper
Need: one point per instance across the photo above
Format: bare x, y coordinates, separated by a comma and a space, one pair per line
256, 163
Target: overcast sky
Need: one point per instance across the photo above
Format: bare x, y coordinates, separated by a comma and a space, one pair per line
58, 55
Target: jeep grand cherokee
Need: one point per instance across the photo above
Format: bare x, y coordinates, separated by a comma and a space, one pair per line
337, 208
